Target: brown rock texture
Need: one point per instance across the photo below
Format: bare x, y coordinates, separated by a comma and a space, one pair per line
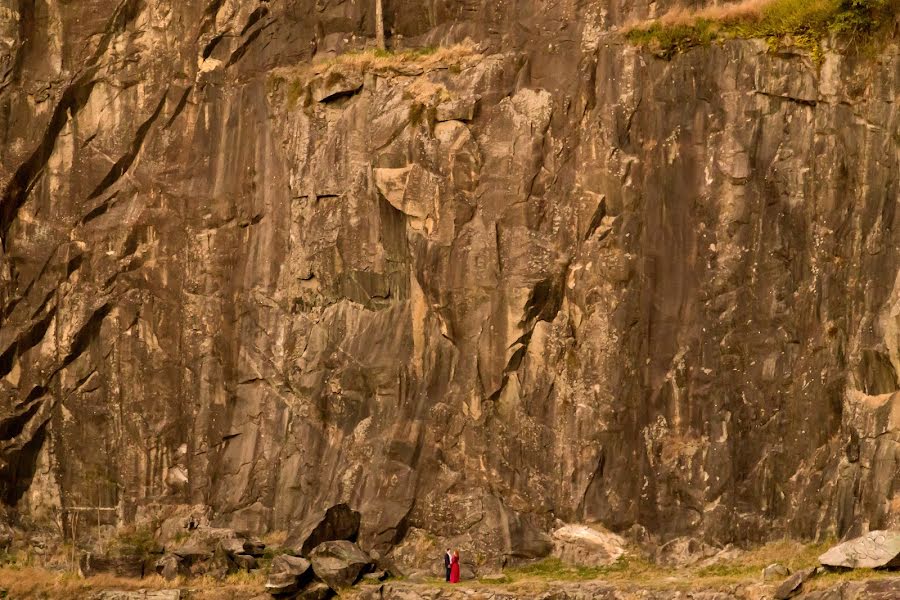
545, 277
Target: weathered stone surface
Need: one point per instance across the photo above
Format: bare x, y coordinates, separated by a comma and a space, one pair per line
170, 566
587, 546
287, 574
339, 564
775, 572
793, 584
625, 291
460, 109
245, 562
337, 82
338, 522
684, 551
873, 550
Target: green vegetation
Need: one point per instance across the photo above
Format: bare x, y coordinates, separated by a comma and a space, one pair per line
133, 541
802, 23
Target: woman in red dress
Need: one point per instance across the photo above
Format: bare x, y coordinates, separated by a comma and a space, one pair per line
454, 568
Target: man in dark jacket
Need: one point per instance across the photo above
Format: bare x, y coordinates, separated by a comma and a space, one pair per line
447, 564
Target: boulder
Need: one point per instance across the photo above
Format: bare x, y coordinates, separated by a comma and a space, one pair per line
871, 551
253, 547
315, 591
791, 586
246, 562
222, 564
287, 574
170, 566
775, 572
339, 522
587, 546
339, 564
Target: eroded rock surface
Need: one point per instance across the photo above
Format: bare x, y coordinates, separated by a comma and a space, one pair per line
550, 278
871, 551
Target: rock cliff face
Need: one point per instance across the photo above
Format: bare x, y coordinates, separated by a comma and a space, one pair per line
542, 276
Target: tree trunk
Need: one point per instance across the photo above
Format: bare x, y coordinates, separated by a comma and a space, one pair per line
379, 24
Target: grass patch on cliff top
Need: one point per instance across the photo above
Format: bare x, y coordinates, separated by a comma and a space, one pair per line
801, 23
453, 58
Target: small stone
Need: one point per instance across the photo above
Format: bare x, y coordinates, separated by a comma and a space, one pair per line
791, 586
775, 572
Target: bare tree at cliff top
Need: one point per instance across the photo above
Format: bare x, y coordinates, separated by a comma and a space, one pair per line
379, 24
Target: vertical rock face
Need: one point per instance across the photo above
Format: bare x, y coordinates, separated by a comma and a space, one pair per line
543, 277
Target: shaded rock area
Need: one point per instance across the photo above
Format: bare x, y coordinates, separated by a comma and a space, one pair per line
543, 276
338, 522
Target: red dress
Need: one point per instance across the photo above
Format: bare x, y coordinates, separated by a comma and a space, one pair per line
454, 569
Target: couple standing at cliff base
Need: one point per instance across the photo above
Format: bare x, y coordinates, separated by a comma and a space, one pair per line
451, 566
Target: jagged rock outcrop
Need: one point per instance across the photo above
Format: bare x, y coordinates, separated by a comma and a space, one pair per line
545, 277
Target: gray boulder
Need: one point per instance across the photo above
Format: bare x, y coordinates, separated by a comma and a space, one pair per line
287, 574
339, 564
871, 551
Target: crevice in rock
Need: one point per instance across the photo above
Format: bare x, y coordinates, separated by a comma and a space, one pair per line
211, 45
18, 471
599, 214
36, 334
179, 107
23, 180
125, 161
238, 54
254, 17
73, 99
99, 210
87, 333
801, 101
12, 426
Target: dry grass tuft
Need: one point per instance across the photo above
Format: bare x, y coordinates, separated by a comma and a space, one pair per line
296, 78
27, 583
